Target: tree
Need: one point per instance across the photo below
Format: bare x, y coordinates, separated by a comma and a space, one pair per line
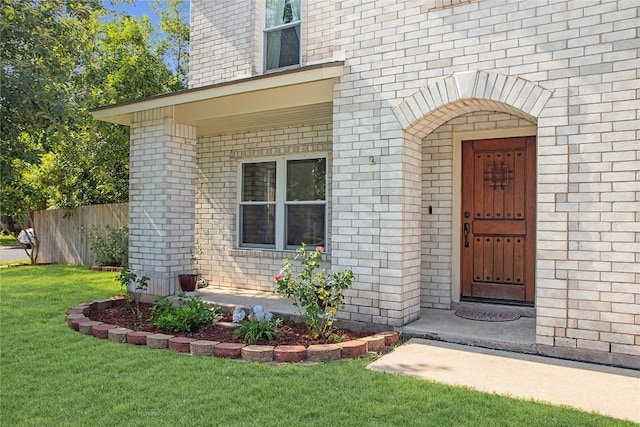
126, 63
40, 58
92, 165
59, 58
174, 47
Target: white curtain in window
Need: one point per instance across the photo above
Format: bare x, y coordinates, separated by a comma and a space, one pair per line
295, 11
274, 14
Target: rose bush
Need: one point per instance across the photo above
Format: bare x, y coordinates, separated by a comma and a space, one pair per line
316, 295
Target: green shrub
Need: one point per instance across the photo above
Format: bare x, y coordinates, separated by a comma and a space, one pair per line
131, 283
110, 245
188, 315
316, 295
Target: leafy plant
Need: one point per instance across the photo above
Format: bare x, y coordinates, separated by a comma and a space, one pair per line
258, 325
61, 58
252, 331
316, 295
188, 315
127, 280
110, 246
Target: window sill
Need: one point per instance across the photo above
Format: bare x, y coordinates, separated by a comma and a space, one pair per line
280, 69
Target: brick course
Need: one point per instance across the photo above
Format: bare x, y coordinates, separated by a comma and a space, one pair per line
249, 353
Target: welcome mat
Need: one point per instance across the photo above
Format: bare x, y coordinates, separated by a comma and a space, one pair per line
485, 316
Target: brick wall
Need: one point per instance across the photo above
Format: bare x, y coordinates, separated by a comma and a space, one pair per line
219, 156
223, 39
226, 38
586, 54
161, 199
570, 67
318, 28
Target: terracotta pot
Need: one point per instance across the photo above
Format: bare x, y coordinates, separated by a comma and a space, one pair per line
188, 282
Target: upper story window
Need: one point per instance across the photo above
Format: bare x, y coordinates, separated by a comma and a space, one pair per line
281, 34
283, 203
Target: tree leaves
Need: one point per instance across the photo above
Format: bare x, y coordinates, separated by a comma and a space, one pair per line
60, 58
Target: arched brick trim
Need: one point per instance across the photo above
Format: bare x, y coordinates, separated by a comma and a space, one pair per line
469, 91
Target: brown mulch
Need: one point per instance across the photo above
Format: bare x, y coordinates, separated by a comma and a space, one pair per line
289, 333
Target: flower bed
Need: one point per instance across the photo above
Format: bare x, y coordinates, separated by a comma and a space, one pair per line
79, 319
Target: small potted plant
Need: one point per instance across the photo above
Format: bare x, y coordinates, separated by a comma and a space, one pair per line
189, 282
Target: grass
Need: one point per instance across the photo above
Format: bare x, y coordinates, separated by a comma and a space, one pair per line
7, 239
15, 261
53, 376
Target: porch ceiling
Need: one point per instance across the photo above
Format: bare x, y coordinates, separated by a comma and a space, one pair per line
302, 96
288, 105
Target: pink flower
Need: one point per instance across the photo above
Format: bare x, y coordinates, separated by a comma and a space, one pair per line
319, 249
277, 276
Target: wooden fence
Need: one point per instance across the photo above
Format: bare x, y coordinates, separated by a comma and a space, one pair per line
64, 233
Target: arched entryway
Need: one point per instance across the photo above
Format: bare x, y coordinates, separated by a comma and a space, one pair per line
470, 249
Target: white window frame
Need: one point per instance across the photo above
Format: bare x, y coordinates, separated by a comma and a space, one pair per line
263, 37
281, 202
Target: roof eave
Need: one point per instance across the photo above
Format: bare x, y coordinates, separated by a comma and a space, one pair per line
121, 113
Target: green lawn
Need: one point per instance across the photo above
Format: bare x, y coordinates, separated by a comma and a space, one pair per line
7, 239
53, 376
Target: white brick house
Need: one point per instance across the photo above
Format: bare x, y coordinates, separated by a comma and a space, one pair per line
460, 150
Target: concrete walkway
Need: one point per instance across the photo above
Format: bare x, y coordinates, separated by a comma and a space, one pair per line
231, 297
609, 391
443, 325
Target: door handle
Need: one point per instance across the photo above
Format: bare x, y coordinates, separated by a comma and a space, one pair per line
467, 230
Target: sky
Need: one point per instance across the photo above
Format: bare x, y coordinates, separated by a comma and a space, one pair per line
142, 7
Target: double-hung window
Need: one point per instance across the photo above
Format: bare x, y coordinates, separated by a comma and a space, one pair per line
281, 34
283, 203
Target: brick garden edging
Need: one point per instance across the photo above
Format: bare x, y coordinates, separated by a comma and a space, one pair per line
77, 320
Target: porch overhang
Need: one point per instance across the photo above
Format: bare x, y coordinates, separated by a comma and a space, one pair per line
287, 98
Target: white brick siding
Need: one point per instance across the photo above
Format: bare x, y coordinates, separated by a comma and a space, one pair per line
226, 38
223, 41
416, 73
318, 27
161, 199
221, 262
586, 55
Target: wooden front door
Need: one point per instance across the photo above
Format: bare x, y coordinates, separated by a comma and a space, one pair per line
498, 219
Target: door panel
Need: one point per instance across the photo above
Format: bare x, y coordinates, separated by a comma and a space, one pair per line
498, 223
